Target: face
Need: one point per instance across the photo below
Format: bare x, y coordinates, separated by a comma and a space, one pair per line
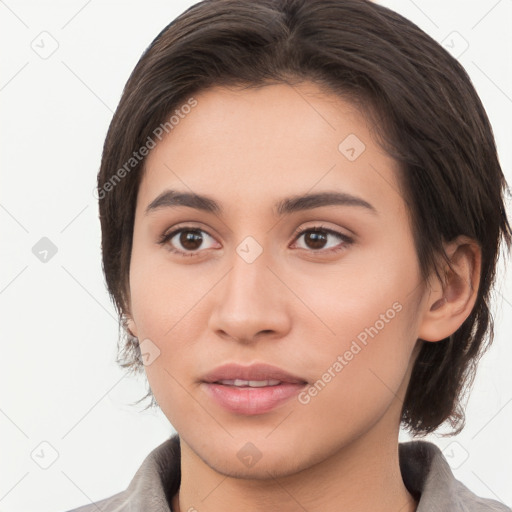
275, 331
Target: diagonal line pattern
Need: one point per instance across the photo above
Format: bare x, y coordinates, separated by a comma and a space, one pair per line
13, 13
14, 218
393, 187
302, 96
424, 13
74, 218
76, 14
307, 191
208, 291
492, 81
216, 215
287, 492
14, 423
497, 497
505, 299
279, 424
72, 72
386, 385
194, 305
13, 279
199, 403
82, 418
332, 332
14, 76
81, 490
5, 495
90, 294
492, 418
486, 14
215, 488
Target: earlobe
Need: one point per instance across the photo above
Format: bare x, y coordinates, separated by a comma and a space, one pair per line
453, 302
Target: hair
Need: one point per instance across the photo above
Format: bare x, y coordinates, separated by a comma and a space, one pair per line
425, 112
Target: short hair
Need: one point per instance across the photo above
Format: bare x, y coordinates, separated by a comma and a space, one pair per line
426, 113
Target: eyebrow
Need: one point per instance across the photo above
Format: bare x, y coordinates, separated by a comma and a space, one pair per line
173, 198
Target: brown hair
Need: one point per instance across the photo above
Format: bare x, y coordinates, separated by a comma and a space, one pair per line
425, 110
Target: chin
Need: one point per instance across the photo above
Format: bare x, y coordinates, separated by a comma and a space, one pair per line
260, 459
274, 466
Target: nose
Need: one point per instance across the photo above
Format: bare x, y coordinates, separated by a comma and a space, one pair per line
251, 302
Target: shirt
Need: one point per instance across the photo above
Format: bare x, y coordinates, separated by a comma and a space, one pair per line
425, 472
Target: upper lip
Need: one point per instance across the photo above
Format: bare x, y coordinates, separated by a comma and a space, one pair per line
258, 371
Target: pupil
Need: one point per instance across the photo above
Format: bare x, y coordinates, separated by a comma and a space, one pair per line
190, 240
316, 237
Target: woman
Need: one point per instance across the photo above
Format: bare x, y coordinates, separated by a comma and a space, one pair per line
301, 208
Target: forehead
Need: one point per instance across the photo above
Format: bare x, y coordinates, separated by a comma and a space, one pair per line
262, 144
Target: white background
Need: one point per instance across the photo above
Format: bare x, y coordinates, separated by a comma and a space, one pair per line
59, 380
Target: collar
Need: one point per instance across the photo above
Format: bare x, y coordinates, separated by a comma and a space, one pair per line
425, 471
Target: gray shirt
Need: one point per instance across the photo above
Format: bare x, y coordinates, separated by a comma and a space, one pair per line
425, 472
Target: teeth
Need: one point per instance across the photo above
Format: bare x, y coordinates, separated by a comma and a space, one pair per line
250, 383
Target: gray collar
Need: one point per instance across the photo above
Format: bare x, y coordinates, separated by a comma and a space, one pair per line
425, 471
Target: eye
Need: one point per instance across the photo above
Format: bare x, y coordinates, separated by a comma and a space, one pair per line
317, 239
190, 239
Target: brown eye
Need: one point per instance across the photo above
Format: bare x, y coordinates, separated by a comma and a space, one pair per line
317, 239
190, 240
187, 241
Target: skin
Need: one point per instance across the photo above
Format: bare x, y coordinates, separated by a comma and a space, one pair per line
296, 306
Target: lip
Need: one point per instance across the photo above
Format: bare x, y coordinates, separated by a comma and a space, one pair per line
257, 371
251, 400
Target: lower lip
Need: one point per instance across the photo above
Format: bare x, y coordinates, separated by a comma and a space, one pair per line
249, 401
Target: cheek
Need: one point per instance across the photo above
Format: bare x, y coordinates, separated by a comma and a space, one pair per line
162, 292
365, 291
359, 376
167, 302
365, 323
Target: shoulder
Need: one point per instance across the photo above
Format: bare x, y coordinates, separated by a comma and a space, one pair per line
118, 502
152, 487
427, 474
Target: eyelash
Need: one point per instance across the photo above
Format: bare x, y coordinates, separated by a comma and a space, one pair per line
347, 241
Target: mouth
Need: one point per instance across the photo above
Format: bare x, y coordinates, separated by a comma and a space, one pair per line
241, 383
250, 390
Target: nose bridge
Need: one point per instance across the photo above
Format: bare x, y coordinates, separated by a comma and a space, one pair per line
248, 280
250, 300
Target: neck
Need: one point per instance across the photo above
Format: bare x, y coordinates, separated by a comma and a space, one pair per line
363, 475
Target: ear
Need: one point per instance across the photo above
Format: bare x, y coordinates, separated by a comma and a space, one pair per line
452, 301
